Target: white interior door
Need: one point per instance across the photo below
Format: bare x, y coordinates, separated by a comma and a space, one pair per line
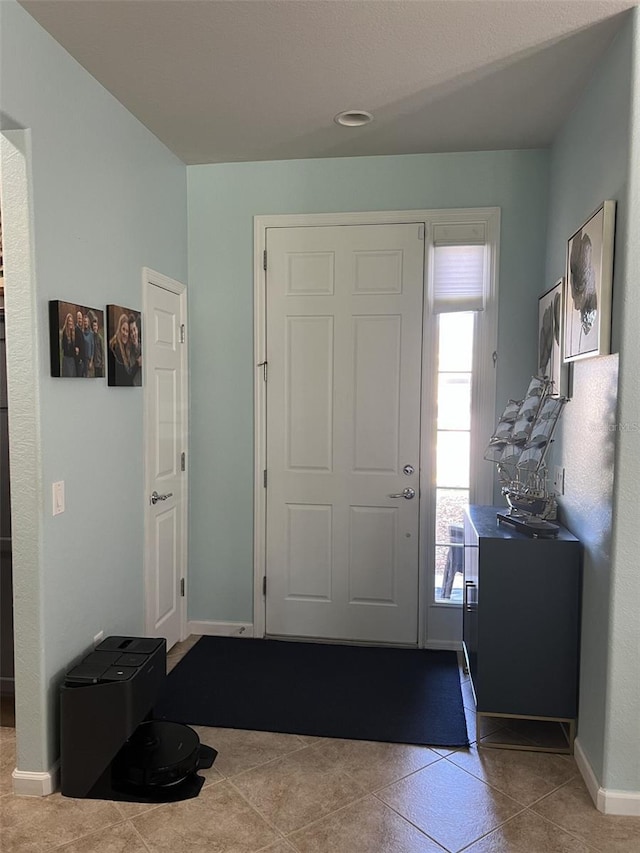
343, 343
165, 372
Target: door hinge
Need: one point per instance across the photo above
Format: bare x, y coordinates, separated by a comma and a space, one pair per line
421, 231
181, 587
264, 478
182, 333
264, 260
494, 358
183, 461
264, 585
263, 365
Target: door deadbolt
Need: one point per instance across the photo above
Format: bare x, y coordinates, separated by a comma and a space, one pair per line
408, 470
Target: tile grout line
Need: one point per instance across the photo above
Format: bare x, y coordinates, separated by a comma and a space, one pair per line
141, 837
525, 808
88, 834
384, 785
265, 763
322, 817
521, 809
400, 778
254, 808
519, 814
151, 806
559, 825
498, 790
569, 832
411, 823
280, 841
491, 831
317, 820
21, 822
328, 814
553, 791
504, 793
368, 793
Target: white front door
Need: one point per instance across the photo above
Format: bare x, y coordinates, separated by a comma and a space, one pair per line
343, 344
165, 371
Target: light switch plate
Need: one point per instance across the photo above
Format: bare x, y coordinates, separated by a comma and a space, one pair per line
58, 497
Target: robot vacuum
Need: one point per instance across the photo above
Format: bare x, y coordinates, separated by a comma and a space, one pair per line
159, 763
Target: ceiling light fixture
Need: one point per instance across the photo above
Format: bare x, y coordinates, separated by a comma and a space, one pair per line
353, 118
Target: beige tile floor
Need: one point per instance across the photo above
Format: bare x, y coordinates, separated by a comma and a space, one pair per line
279, 793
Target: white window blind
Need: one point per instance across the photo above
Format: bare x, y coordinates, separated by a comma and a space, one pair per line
459, 268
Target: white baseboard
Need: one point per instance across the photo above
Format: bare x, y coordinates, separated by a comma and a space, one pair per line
221, 629
586, 770
619, 802
606, 800
35, 784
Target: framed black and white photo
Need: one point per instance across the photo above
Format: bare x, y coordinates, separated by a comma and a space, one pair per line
550, 336
587, 303
76, 339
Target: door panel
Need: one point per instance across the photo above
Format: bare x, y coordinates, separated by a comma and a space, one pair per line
165, 550
309, 393
309, 557
344, 336
166, 534
309, 273
376, 392
372, 558
166, 439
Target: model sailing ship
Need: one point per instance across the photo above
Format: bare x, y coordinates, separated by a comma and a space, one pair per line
519, 446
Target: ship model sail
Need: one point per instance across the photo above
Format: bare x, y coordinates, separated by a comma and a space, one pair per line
519, 446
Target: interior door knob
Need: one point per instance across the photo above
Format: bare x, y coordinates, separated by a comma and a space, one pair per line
155, 497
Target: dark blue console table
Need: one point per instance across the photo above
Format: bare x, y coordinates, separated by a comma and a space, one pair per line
521, 622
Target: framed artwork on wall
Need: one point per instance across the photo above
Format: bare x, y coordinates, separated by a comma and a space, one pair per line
589, 281
124, 350
550, 336
76, 339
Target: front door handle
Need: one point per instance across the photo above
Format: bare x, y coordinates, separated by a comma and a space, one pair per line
155, 497
407, 494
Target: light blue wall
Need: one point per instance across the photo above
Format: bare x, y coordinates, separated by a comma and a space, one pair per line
596, 157
223, 199
622, 728
108, 199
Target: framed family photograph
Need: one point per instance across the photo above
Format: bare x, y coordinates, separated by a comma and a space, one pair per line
550, 336
124, 349
587, 303
76, 338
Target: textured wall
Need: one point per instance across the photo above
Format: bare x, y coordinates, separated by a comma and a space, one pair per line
223, 200
622, 727
596, 157
24, 425
108, 199
588, 424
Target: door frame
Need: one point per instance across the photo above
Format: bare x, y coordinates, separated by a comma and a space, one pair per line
157, 279
484, 492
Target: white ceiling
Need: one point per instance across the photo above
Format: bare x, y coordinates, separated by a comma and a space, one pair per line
230, 80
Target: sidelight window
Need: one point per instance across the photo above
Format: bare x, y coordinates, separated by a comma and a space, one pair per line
462, 296
453, 448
